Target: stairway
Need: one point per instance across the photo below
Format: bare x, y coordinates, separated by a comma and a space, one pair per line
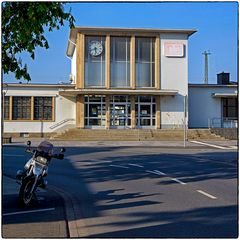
134, 135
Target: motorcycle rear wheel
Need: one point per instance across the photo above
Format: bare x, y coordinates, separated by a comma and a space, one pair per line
25, 197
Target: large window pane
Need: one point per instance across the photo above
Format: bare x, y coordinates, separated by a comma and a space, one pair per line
6, 107
120, 111
145, 62
120, 61
95, 111
42, 108
230, 108
94, 63
21, 108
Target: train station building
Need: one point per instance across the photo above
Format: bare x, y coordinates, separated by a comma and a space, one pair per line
121, 78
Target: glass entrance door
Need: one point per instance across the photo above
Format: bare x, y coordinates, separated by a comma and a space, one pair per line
120, 112
145, 112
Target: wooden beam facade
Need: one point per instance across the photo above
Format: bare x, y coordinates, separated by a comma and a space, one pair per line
80, 47
107, 60
132, 64
80, 60
80, 111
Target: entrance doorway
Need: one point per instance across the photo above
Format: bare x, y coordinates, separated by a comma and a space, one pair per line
145, 108
120, 112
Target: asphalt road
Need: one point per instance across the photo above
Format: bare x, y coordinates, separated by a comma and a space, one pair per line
145, 192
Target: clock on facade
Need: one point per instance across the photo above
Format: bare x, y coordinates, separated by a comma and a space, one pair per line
95, 48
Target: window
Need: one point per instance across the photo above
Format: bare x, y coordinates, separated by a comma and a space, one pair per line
29, 108
145, 62
230, 108
42, 108
120, 112
95, 111
120, 61
145, 111
21, 108
94, 61
6, 107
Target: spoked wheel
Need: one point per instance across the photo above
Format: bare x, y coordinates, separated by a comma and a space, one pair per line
25, 195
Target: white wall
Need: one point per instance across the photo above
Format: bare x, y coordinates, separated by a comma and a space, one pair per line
174, 76
64, 109
202, 106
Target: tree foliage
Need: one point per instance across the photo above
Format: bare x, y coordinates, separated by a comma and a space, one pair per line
23, 28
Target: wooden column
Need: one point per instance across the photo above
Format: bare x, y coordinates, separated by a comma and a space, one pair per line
10, 107
157, 63
133, 112
80, 60
107, 59
132, 63
32, 108
158, 112
80, 111
53, 109
107, 111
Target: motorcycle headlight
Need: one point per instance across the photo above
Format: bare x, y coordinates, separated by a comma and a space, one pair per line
41, 160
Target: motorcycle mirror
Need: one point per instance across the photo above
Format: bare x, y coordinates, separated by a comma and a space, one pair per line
29, 143
63, 150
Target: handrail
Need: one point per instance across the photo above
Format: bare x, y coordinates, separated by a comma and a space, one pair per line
222, 123
61, 122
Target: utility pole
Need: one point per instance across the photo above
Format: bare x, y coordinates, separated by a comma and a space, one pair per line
206, 66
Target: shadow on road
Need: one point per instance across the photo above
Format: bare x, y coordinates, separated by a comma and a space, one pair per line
88, 165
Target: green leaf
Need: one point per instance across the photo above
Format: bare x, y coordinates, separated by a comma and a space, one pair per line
23, 30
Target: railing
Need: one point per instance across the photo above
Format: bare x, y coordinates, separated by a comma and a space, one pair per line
62, 122
222, 123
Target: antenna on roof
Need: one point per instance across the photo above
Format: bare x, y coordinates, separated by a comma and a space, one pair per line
206, 53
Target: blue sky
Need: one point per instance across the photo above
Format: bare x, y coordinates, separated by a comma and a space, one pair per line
216, 22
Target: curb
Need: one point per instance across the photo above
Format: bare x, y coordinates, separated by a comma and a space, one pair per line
68, 208
75, 225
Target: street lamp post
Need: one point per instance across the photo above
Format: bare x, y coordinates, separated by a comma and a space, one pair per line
5, 85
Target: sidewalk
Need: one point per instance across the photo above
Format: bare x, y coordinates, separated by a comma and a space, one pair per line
33, 221
161, 144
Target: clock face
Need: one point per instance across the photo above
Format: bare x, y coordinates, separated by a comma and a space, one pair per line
95, 48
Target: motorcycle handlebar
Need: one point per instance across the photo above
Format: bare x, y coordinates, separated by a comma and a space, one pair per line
29, 150
57, 156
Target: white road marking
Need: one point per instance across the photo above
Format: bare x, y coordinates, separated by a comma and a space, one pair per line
118, 166
210, 145
98, 162
12, 155
31, 211
161, 173
233, 147
206, 194
149, 171
178, 181
156, 172
136, 165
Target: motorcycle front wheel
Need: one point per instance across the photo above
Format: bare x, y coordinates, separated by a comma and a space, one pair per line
25, 195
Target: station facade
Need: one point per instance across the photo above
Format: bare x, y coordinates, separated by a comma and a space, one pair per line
120, 79
128, 78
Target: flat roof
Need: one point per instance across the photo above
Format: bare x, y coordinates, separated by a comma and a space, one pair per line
211, 85
39, 85
223, 95
75, 92
118, 31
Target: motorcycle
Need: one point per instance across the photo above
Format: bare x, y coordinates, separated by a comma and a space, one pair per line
35, 170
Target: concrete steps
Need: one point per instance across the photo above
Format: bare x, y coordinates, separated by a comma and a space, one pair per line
133, 135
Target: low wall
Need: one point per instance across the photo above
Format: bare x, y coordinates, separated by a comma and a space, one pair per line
27, 135
228, 133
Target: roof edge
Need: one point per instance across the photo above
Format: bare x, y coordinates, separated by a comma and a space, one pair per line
74, 31
37, 85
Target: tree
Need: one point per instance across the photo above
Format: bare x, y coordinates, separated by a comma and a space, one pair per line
23, 28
